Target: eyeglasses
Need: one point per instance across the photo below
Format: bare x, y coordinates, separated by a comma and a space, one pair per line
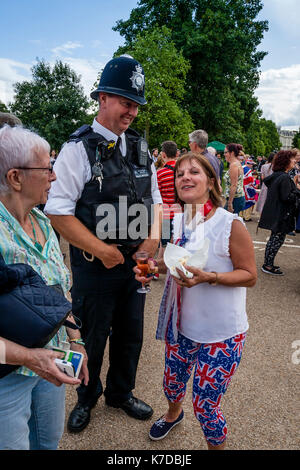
50, 169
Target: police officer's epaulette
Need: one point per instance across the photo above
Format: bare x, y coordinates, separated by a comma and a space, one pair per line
79, 133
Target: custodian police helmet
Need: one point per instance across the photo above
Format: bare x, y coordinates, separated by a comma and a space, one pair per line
123, 76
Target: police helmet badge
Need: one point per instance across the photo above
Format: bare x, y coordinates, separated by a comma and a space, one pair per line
138, 79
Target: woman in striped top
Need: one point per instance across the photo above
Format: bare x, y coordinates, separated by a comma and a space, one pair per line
165, 180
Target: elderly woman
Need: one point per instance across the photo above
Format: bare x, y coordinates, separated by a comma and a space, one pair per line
203, 319
32, 397
280, 209
234, 180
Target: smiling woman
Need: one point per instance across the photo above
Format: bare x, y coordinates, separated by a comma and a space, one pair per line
202, 317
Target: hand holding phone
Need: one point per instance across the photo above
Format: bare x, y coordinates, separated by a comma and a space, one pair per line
71, 363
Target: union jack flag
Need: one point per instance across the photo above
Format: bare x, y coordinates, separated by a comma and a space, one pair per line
172, 350
215, 348
227, 376
199, 407
249, 187
204, 377
239, 340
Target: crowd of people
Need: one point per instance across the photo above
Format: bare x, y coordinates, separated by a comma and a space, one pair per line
189, 197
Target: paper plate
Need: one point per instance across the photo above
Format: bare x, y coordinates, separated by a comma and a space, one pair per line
177, 257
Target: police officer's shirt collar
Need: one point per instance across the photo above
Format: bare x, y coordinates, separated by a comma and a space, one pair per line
109, 135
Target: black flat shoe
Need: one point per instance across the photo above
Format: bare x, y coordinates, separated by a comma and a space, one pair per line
79, 418
134, 407
274, 270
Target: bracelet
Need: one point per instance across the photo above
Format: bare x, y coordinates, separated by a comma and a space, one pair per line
216, 281
153, 260
77, 341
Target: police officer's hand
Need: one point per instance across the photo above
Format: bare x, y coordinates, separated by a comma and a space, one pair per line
111, 257
150, 245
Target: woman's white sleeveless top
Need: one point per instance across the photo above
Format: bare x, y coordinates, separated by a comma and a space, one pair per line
209, 313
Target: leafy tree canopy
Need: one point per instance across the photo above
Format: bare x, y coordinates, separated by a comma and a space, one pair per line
163, 117
52, 103
219, 38
296, 141
3, 108
262, 136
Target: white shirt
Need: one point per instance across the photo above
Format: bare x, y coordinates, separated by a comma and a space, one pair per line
73, 171
210, 314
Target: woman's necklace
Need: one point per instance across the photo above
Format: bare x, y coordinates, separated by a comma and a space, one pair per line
36, 242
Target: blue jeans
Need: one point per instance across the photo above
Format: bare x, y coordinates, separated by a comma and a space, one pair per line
32, 413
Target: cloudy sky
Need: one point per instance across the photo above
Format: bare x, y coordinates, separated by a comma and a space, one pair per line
79, 33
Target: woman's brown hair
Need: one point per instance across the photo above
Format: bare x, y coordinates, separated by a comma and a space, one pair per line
215, 193
282, 159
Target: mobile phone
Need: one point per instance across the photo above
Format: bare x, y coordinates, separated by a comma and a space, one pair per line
71, 363
66, 367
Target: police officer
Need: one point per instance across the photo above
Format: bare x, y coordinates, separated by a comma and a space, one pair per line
102, 171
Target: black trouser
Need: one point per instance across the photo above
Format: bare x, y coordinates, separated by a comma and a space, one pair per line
274, 243
113, 310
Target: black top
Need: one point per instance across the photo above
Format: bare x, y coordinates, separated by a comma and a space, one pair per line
280, 209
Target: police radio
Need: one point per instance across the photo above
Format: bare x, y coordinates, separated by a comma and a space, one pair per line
142, 151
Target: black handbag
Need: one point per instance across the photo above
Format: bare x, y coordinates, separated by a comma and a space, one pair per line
31, 312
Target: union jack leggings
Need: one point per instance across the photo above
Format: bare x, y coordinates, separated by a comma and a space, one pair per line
215, 364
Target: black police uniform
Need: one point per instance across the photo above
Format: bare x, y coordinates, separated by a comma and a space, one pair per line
106, 300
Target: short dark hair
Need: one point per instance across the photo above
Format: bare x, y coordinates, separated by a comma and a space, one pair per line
282, 159
235, 148
169, 147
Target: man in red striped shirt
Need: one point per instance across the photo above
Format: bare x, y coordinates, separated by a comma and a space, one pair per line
165, 179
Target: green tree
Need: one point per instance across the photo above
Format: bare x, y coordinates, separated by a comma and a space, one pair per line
262, 136
296, 141
3, 108
52, 103
270, 135
164, 116
219, 38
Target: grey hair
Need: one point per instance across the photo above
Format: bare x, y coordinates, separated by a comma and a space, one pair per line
200, 137
211, 150
18, 148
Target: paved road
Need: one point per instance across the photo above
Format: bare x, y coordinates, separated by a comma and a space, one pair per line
262, 403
